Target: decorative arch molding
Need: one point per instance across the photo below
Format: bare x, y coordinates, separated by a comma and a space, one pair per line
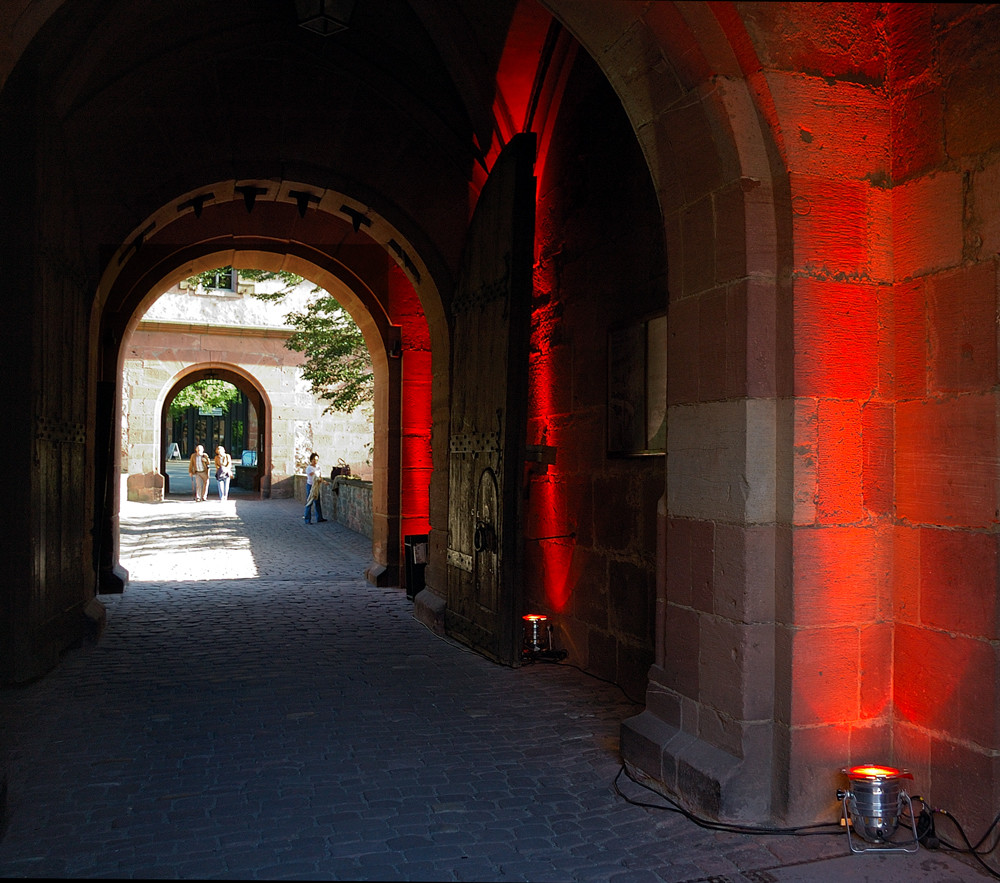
319, 225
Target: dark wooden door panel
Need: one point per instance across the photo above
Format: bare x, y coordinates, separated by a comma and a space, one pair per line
490, 311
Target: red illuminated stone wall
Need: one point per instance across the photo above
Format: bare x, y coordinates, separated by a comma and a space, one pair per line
945, 83
834, 635
873, 579
589, 518
415, 406
886, 646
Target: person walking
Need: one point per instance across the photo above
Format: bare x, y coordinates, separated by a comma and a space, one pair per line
314, 481
198, 470
223, 472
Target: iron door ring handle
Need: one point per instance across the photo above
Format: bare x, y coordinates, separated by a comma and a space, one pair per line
482, 538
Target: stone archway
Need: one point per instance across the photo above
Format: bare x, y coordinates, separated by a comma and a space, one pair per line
255, 393
385, 288
685, 78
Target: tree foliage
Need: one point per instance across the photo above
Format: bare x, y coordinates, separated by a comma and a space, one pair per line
290, 280
203, 394
338, 365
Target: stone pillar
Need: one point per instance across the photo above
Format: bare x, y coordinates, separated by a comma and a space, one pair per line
707, 732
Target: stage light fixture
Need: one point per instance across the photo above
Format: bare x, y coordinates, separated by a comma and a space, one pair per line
873, 807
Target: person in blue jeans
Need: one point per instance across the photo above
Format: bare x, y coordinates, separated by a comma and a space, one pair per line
314, 481
223, 472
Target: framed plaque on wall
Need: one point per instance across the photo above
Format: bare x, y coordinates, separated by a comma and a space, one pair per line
637, 388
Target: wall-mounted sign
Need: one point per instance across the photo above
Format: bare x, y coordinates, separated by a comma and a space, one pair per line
637, 388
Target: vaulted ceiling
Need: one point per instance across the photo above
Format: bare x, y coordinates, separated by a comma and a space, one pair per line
144, 100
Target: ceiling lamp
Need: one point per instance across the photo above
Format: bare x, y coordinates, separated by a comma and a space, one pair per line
324, 17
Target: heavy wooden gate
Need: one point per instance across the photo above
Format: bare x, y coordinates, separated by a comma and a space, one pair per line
491, 313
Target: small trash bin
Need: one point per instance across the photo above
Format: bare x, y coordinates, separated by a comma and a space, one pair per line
415, 560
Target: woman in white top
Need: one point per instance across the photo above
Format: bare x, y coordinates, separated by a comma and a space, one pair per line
223, 471
313, 482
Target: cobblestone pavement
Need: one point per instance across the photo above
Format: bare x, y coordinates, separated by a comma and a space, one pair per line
255, 709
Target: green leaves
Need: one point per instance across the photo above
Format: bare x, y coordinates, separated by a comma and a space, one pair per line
338, 366
222, 278
290, 280
203, 394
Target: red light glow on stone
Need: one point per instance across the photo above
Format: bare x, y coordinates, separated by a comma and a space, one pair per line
872, 771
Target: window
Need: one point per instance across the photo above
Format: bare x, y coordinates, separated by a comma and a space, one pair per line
222, 280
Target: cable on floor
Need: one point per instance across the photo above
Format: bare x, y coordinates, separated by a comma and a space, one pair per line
819, 828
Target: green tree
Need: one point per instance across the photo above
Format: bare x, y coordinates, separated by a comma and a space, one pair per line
203, 394
338, 366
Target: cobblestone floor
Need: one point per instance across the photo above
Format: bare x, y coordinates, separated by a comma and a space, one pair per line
256, 710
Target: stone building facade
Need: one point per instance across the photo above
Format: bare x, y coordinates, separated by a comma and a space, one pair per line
683, 325
187, 333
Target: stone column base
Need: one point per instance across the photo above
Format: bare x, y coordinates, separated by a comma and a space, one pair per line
112, 580
703, 779
429, 609
146, 487
383, 575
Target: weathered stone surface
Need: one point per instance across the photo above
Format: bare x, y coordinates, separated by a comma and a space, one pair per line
927, 224
145, 488
722, 460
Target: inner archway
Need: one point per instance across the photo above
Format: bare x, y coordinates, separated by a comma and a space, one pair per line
381, 285
257, 399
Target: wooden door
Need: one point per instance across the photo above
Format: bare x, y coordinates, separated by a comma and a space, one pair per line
491, 312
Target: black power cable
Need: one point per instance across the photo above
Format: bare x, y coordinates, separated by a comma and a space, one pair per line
549, 660
931, 838
927, 833
728, 827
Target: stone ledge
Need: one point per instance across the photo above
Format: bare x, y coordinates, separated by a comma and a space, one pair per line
145, 487
698, 776
429, 609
